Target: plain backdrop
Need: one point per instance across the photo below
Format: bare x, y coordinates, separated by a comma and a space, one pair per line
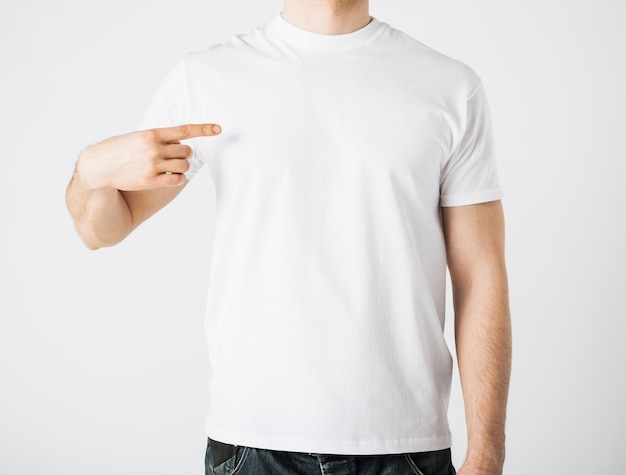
102, 354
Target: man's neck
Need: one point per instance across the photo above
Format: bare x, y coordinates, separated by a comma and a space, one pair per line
327, 17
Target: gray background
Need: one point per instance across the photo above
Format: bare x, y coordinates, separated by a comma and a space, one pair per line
102, 354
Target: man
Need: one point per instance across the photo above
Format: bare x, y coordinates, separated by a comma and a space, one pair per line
350, 163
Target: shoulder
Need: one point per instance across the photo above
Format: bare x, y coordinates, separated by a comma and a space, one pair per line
419, 57
237, 47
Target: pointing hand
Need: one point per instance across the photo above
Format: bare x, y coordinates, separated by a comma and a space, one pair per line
141, 160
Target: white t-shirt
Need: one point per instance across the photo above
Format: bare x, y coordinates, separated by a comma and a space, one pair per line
325, 308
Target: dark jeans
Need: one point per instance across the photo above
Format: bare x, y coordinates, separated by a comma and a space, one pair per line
225, 459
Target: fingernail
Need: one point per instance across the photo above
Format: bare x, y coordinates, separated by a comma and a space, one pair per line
216, 129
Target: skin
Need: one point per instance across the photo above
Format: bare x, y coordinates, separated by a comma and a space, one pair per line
122, 181
475, 249
328, 17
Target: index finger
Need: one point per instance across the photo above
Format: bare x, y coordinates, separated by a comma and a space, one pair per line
187, 131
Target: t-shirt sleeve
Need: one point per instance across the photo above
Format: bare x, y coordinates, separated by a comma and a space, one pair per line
170, 107
470, 175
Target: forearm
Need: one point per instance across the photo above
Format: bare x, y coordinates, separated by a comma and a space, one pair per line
483, 343
101, 216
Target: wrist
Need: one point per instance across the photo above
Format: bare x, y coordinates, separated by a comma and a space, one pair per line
486, 460
86, 175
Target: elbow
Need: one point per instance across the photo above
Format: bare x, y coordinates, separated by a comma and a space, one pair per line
91, 246
93, 242
89, 242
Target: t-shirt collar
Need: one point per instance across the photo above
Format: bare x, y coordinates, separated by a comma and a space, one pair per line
316, 41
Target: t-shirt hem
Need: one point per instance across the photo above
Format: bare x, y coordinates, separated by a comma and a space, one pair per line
332, 447
475, 197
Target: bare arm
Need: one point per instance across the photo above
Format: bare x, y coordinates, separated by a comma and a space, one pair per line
475, 248
122, 181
